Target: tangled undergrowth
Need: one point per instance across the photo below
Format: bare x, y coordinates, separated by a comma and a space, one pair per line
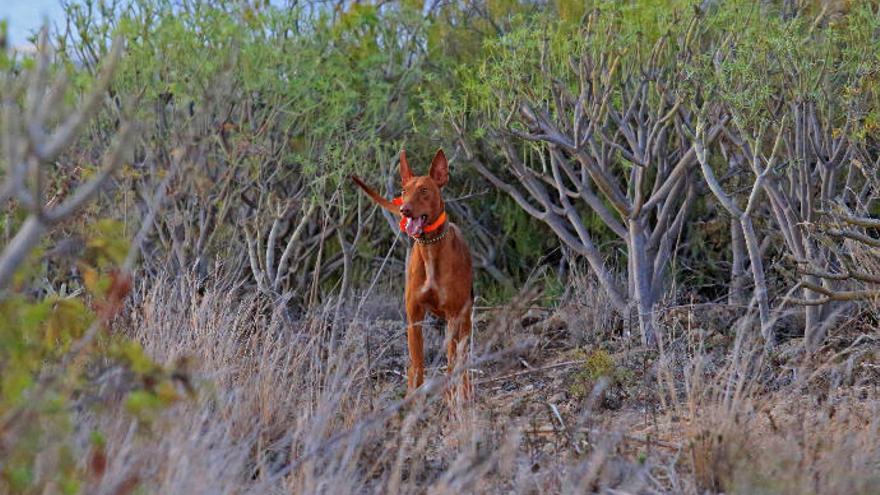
279, 407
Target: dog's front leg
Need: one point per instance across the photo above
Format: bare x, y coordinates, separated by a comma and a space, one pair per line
415, 374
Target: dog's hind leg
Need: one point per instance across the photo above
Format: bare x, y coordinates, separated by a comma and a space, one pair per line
464, 337
458, 331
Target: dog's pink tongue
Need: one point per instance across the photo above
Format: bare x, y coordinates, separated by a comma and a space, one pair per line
414, 226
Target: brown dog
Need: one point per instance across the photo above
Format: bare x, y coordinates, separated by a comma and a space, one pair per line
438, 276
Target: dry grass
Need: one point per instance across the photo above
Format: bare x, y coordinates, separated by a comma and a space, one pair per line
280, 410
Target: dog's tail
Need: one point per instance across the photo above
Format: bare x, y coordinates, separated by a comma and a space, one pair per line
384, 203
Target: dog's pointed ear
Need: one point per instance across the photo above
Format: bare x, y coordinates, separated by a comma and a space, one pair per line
439, 169
405, 172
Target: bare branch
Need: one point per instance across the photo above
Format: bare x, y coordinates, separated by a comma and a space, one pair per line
831, 295
856, 236
291, 242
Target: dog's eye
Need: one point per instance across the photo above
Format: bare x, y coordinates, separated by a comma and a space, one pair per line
423, 190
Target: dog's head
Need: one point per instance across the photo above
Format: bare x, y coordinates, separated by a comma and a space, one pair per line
421, 201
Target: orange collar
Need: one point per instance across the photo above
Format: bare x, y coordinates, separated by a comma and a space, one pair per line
429, 228
436, 225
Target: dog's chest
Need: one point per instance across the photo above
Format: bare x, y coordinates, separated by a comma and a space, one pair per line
431, 290
429, 283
